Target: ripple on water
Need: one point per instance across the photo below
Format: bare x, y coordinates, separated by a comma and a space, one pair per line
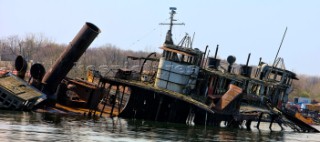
29, 126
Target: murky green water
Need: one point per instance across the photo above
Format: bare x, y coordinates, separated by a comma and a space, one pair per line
28, 126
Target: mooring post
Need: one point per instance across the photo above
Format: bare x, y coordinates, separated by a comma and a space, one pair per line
114, 101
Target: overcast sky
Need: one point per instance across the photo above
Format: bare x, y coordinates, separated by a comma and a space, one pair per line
240, 27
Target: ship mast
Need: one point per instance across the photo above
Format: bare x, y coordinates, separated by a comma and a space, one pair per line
169, 33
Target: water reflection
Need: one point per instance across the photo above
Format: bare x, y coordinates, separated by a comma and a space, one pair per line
29, 126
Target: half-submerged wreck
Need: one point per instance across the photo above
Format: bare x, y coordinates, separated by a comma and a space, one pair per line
186, 88
190, 88
41, 89
15, 92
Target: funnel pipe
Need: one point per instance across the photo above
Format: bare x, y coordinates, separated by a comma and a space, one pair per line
66, 61
21, 66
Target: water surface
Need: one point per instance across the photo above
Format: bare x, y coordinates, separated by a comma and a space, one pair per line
31, 126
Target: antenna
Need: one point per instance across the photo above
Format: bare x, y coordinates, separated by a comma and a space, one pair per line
284, 35
169, 33
217, 48
192, 39
173, 11
275, 58
207, 56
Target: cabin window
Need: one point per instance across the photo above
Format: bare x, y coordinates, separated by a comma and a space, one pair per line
290, 82
275, 77
167, 55
164, 53
180, 57
253, 88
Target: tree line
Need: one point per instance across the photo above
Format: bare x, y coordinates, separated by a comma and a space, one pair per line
107, 58
38, 49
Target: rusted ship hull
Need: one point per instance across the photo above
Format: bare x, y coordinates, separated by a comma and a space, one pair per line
156, 104
151, 105
148, 105
182, 90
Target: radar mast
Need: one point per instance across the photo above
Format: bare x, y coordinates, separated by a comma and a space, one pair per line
169, 33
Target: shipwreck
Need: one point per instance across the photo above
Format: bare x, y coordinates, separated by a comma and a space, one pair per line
188, 87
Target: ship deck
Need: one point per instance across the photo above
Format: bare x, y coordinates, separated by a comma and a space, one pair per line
150, 87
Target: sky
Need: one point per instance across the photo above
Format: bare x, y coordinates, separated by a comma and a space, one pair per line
239, 27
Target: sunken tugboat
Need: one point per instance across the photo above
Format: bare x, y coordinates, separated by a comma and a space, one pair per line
189, 88
186, 88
